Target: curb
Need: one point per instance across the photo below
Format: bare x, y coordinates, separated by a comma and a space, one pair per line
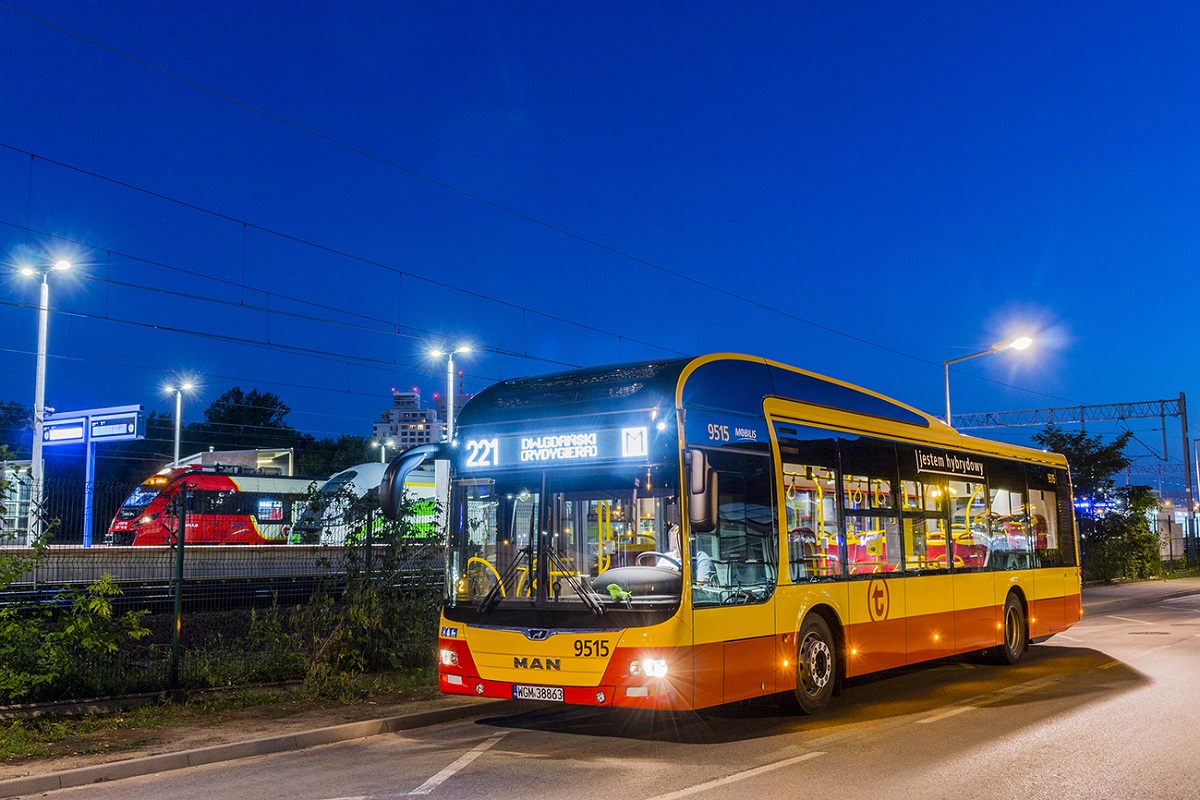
129, 768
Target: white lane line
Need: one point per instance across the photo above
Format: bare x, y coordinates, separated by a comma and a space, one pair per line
1127, 619
734, 778
951, 713
437, 780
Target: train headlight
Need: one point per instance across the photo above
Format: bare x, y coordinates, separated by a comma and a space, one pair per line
449, 658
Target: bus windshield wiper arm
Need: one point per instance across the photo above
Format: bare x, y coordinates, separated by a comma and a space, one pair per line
492, 598
581, 588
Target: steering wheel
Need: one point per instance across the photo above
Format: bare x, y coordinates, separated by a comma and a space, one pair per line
657, 555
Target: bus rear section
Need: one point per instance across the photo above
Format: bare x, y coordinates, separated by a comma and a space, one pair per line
223, 507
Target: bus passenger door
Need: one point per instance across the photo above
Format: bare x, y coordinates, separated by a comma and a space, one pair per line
731, 573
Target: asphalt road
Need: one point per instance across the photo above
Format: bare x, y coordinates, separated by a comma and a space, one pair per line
1110, 709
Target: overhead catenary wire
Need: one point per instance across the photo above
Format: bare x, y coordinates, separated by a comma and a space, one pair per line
370, 262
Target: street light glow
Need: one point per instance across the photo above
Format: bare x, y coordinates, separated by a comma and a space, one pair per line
1016, 343
61, 265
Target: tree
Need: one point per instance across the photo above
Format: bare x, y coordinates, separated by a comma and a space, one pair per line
1114, 527
323, 457
16, 428
1093, 463
239, 420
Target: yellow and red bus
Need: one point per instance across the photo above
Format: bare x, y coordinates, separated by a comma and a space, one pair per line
685, 533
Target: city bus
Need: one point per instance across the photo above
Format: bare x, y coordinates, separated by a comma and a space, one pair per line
226, 505
685, 533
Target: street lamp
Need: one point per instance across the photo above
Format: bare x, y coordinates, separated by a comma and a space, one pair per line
179, 389
449, 354
383, 446
1019, 343
39, 387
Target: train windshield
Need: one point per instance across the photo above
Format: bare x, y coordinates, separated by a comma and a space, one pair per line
142, 496
587, 541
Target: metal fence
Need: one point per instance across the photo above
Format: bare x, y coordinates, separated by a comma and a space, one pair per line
216, 615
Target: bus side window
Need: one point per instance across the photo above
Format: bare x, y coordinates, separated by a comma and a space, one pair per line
810, 508
1008, 515
969, 538
869, 505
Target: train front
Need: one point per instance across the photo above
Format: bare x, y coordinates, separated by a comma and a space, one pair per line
564, 578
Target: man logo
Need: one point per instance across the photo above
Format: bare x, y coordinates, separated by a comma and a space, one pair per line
634, 443
537, 663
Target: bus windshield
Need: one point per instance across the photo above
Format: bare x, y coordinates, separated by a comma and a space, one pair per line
573, 540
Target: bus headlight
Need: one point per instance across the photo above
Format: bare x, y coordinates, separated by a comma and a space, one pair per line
449, 658
650, 667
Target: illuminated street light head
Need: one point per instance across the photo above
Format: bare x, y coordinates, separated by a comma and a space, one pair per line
61, 265
1017, 343
27, 271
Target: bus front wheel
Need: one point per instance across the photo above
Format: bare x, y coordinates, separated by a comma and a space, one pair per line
816, 665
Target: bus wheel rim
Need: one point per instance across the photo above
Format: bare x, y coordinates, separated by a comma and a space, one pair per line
816, 664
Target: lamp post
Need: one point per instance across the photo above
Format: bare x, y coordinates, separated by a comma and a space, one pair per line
39, 387
383, 446
1019, 343
449, 354
179, 389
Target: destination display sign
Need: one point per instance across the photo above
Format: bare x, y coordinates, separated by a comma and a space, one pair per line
945, 462
556, 447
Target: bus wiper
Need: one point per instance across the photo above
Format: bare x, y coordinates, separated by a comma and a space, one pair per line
492, 598
581, 588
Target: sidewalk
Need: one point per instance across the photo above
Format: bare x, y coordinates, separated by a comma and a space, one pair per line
237, 734
268, 729
1107, 599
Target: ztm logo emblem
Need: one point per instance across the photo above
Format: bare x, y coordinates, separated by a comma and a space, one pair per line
878, 600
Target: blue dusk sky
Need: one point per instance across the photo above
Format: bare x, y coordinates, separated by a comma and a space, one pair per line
305, 197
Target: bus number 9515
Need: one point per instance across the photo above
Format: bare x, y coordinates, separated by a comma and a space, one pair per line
718, 433
591, 648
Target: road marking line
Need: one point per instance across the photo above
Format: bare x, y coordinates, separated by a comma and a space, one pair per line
1127, 619
437, 780
737, 776
951, 713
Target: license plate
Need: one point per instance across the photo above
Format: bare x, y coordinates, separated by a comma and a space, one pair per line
553, 693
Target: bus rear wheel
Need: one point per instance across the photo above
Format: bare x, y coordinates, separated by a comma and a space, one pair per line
1016, 635
816, 665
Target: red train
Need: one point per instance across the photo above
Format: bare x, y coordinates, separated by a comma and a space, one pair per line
226, 505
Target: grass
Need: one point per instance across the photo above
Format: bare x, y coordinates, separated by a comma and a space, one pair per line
48, 737
35, 737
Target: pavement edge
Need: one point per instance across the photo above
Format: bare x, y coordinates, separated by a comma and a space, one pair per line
148, 765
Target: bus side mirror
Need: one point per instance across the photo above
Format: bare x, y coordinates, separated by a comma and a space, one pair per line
702, 493
391, 488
